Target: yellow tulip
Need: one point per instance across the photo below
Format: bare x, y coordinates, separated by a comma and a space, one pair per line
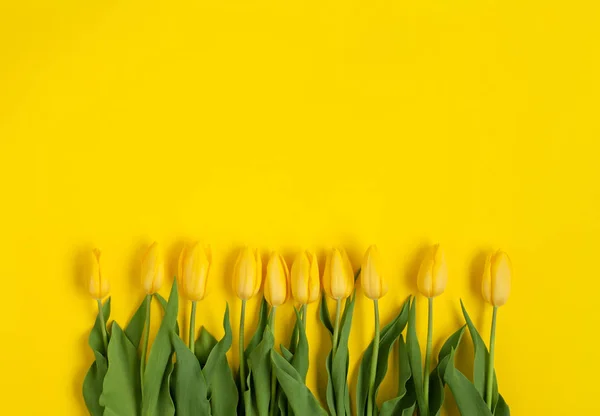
194, 266
433, 273
98, 285
153, 269
338, 279
247, 274
305, 278
370, 275
497, 273
276, 280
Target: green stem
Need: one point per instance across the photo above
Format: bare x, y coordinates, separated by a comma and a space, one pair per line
192, 327
145, 339
304, 311
428, 353
103, 326
490, 369
374, 357
241, 352
336, 328
273, 377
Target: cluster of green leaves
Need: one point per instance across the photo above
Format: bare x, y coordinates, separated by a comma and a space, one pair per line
338, 392
292, 396
177, 380
200, 383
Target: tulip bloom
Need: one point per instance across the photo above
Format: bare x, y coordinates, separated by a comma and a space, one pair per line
194, 265
98, 287
433, 273
370, 275
374, 287
305, 282
247, 275
338, 283
276, 280
495, 285
153, 269
153, 272
431, 282
338, 279
495, 288
276, 293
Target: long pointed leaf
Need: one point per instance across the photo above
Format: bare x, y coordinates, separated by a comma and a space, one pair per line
468, 399
160, 361
299, 397
414, 356
92, 383
221, 383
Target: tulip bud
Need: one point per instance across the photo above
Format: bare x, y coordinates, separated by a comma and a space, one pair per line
495, 285
194, 265
305, 278
247, 274
98, 285
370, 275
153, 269
433, 273
276, 280
338, 279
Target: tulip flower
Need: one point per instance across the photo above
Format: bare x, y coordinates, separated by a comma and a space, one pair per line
374, 288
98, 288
153, 269
276, 280
247, 275
338, 283
431, 282
495, 288
305, 282
194, 265
153, 272
276, 293
372, 282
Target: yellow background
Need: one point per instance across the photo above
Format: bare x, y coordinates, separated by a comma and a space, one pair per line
302, 124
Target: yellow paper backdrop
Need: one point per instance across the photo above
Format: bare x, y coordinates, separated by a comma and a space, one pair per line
302, 124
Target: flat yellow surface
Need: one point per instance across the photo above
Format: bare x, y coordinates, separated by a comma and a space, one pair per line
302, 124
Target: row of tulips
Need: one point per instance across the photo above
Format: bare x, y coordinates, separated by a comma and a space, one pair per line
195, 379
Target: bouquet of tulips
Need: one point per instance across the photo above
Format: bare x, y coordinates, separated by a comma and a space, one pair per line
130, 377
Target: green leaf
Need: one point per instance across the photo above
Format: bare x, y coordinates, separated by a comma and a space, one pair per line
330, 395
339, 367
468, 399
92, 383
389, 335
190, 387
263, 320
414, 357
160, 362
259, 363
436, 387
404, 404
204, 345
324, 314
222, 390
135, 328
502, 408
480, 360
287, 354
163, 303
166, 406
121, 389
299, 397
300, 359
